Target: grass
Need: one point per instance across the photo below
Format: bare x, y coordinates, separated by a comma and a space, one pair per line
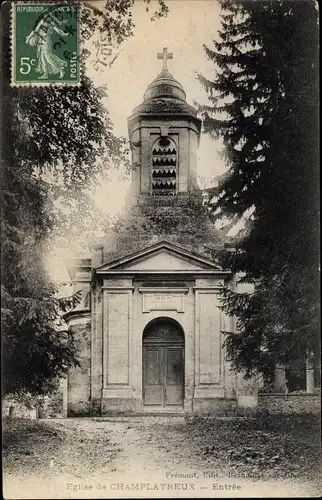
52, 447
264, 446
26, 442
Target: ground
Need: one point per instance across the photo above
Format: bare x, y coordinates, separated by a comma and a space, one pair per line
124, 457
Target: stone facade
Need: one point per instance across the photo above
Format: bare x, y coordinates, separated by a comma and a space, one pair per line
161, 282
149, 322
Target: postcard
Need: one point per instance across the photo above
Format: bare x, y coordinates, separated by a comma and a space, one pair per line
142, 353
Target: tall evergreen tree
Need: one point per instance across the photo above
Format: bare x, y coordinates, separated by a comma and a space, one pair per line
263, 105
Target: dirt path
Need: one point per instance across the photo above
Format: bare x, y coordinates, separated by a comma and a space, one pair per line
123, 458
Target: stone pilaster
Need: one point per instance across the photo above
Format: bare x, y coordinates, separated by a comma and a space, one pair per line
64, 386
247, 391
279, 378
309, 375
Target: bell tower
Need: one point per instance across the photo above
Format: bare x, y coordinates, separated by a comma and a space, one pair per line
164, 133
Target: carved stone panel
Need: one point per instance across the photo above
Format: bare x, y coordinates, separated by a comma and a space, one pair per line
117, 320
208, 333
163, 300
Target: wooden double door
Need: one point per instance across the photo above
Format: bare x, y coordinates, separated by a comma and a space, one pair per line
163, 374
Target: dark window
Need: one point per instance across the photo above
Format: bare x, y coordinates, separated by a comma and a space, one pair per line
164, 167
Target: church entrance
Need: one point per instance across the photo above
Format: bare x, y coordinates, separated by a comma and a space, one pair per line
163, 363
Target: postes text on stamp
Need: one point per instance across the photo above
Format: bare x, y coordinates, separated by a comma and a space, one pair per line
45, 43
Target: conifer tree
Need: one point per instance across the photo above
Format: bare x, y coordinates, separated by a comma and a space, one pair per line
263, 105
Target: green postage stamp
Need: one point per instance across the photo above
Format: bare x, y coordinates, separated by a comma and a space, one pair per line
45, 43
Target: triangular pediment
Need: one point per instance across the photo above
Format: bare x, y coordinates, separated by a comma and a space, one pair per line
163, 261
162, 257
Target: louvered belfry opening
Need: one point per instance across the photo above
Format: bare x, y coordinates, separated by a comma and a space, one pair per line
164, 167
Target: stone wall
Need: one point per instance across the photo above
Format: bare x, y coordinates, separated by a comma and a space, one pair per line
289, 403
12, 408
214, 406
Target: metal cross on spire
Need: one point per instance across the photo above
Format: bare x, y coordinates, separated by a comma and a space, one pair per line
165, 56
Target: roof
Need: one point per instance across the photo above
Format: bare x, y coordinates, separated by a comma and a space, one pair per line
165, 106
164, 85
165, 96
163, 258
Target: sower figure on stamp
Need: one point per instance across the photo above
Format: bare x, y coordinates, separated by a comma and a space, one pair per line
47, 61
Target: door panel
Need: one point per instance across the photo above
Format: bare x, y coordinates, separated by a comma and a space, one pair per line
163, 375
173, 375
173, 365
173, 395
153, 376
152, 366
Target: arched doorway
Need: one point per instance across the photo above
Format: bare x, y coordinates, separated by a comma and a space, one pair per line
163, 363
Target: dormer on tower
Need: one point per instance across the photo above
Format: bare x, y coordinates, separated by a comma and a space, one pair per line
164, 133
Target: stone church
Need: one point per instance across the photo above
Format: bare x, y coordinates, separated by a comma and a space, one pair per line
149, 322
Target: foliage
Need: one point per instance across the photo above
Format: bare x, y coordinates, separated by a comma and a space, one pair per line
114, 18
265, 446
263, 105
46, 406
51, 406
35, 349
34, 352
56, 140
187, 224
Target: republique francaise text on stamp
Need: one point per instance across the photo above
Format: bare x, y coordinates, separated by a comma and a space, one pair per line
45, 43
